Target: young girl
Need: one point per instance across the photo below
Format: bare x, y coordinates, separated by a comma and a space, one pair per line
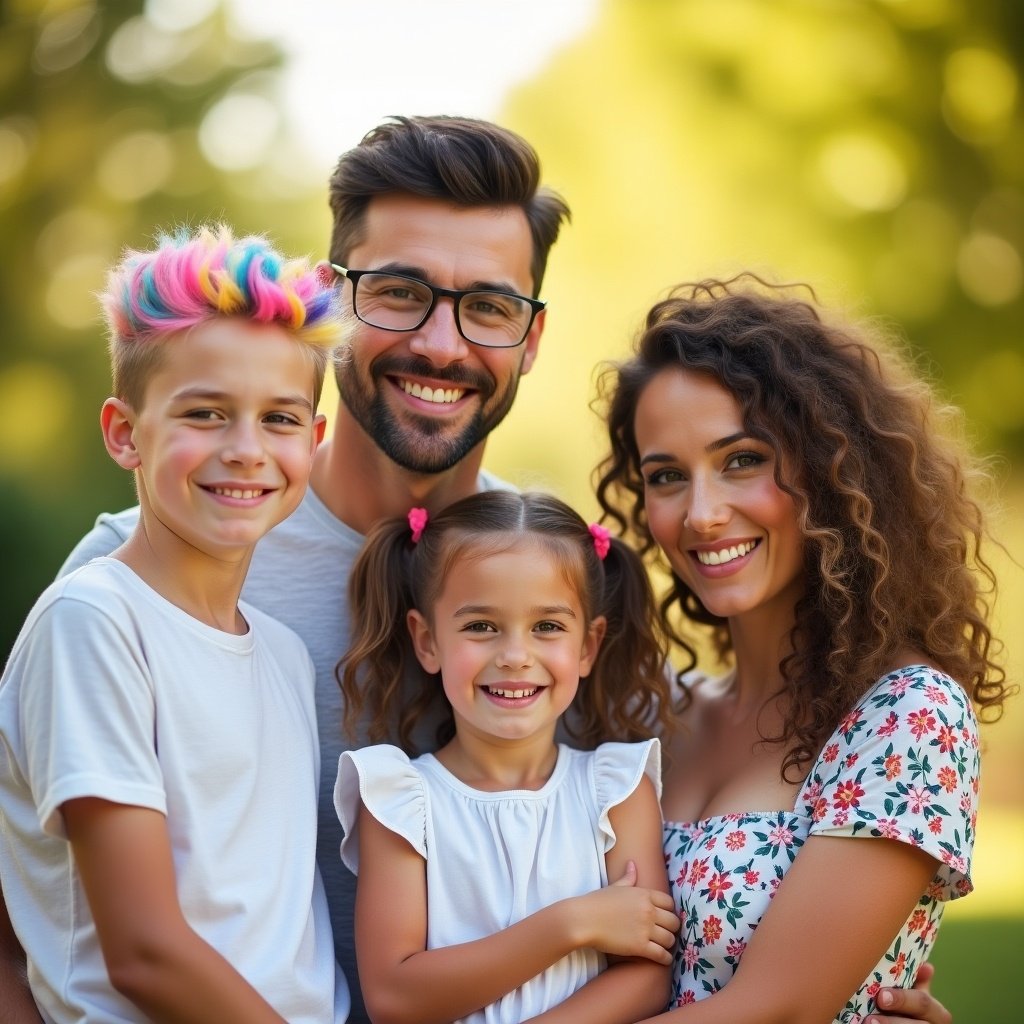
483, 868
798, 482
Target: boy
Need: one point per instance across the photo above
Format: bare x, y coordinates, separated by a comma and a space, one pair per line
158, 794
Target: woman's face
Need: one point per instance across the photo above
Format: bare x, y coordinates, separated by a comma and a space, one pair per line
713, 506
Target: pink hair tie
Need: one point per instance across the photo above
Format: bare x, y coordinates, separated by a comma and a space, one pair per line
602, 539
417, 521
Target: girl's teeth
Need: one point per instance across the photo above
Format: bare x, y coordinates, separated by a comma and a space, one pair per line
725, 554
511, 693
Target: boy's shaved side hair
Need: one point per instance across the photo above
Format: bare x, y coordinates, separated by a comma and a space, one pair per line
194, 276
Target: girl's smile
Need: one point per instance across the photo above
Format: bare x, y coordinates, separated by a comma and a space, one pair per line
507, 634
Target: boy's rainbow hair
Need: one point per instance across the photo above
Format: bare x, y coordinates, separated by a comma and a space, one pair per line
193, 276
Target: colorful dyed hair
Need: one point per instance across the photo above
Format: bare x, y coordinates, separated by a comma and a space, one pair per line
194, 276
390, 695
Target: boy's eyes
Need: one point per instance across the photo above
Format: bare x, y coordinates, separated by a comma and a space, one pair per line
279, 419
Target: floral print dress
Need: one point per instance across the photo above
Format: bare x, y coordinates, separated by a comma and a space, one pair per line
902, 765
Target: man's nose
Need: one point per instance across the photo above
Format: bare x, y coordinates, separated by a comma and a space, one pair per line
438, 338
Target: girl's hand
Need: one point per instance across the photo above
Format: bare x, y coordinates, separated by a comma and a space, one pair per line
624, 920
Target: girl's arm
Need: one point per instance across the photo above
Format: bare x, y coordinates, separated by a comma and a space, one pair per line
403, 981
153, 957
629, 988
833, 917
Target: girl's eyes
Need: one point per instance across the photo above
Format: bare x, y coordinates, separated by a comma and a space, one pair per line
549, 627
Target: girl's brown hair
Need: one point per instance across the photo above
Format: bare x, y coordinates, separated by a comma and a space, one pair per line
625, 697
892, 537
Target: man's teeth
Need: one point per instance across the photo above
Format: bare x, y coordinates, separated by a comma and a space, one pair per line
236, 492
494, 691
725, 554
440, 396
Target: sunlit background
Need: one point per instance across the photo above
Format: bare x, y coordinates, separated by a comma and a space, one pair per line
872, 147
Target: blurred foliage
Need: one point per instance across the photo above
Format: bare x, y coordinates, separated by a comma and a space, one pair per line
115, 120
874, 148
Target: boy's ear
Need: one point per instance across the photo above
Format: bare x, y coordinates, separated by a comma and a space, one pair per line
319, 427
423, 642
117, 421
592, 644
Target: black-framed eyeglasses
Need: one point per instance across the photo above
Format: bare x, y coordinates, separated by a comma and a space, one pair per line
394, 302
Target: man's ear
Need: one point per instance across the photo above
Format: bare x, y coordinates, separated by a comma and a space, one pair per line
532, 342
117, 422
423, 642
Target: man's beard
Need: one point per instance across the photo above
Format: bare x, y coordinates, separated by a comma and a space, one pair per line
421, 444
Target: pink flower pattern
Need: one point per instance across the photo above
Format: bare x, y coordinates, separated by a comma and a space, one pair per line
903, 765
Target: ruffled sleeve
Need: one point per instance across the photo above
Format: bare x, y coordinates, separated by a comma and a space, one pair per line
383, 778
618, 769
904, 765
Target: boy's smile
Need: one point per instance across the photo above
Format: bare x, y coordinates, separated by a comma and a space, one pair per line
224, 440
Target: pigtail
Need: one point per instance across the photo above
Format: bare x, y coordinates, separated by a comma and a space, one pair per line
380, 658
626, 696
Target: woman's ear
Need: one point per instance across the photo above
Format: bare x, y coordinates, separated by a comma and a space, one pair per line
423, 642
592, 644
117, 422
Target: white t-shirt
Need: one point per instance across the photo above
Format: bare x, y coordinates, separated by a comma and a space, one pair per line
299, 575
493, 859
113, 692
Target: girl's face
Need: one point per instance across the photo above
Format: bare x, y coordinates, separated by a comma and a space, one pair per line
728, 530
508, 636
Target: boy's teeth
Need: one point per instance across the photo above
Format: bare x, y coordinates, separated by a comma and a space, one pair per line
439, 396
726, 554
511, 693
236, 492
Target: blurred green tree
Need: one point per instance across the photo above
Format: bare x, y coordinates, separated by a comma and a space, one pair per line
115, 120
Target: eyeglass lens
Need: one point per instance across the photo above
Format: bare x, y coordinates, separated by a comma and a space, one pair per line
494, 319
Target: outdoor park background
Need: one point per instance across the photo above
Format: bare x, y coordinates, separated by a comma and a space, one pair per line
874, 148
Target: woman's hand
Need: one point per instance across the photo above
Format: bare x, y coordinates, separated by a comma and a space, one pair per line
906, 1005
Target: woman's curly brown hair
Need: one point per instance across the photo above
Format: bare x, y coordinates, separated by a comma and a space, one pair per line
892, 537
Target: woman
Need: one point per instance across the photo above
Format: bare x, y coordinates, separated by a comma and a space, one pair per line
796, 480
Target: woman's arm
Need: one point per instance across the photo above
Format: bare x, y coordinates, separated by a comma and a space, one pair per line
402, 981
153, 957
832, 919
629, 988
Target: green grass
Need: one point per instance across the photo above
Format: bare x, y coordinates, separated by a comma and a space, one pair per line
976, 962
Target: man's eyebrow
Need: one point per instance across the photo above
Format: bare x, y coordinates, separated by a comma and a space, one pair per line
421, 274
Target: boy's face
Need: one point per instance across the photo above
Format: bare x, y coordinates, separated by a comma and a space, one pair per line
223, 443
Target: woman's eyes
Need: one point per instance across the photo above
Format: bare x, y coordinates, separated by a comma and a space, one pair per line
735, 460
745, 460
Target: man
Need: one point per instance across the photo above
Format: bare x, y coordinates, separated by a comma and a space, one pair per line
455, 205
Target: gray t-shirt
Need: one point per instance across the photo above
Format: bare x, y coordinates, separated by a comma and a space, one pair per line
299, 575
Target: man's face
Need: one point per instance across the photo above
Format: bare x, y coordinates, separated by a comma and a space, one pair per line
428, 397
